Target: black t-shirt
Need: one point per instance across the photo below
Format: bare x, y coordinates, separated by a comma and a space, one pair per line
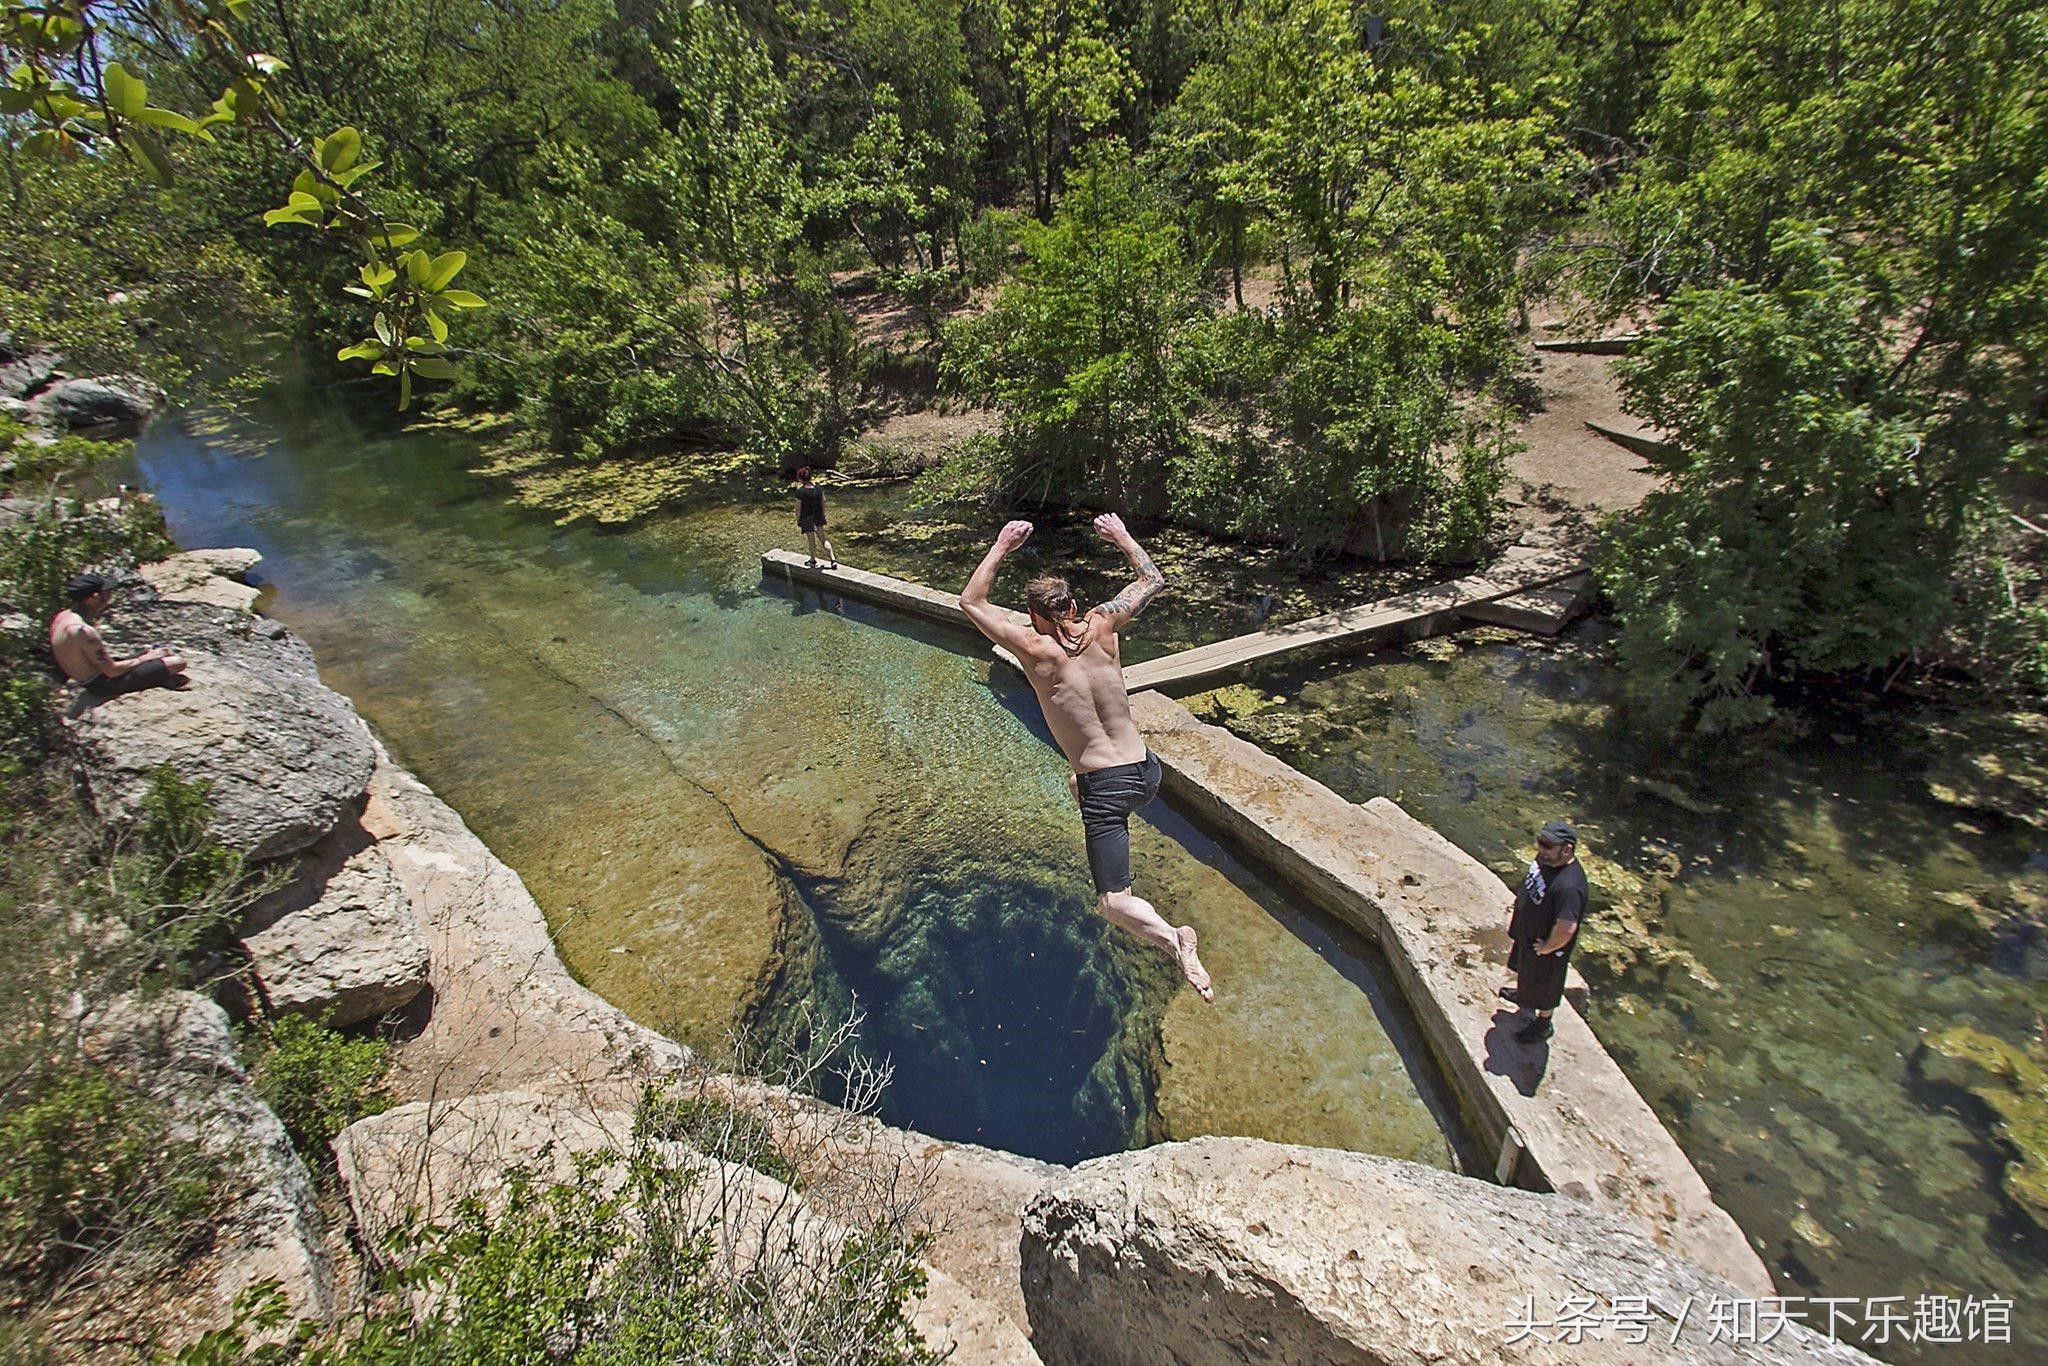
1548, 895
810, 505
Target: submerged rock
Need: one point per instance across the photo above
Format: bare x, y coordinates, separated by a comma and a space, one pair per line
2013, 1081
283, 756
1227, 1250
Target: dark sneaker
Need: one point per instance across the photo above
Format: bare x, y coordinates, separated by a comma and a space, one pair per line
1536, 1031
1511, 995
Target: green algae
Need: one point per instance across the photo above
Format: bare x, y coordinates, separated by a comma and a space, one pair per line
2013, 1082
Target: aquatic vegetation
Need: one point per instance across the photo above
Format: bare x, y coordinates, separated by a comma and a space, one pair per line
2013, 1081
618, 491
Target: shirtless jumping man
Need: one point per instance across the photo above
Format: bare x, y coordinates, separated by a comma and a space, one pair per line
84, 657
1075, 666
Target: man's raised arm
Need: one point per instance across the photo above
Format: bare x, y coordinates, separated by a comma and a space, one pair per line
990, 620
1120, 609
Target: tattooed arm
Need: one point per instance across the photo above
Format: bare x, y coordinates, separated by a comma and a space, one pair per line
1120, 609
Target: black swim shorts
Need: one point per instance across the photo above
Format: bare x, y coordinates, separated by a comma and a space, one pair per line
150, 674
1108, 797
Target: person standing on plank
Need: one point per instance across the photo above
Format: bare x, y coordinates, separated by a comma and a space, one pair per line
1074, 664
810, 518
1543, 927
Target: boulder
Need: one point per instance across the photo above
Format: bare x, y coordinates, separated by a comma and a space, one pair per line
110, 401
284, 757
23, 375
429, 1156
1231, 1250
338, 942
208, 576
271, 1229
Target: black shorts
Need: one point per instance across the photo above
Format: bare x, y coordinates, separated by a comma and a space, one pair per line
151, 674
1108, 797
809, 524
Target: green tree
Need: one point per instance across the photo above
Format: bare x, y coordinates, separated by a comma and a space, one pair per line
1844, 203
1086, 351
1062, 75
1814, 514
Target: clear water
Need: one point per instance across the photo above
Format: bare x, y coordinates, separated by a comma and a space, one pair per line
733, 801
1812, 914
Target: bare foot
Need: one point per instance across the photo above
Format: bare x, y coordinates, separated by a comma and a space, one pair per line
1191, 966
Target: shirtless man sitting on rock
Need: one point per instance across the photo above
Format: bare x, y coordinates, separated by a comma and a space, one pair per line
1075, 666
84, 657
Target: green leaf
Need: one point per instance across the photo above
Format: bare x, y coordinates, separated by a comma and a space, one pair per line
176, 122
358, 291
462, 298
43, 142
395, 235
436, 325
418, 267
366, 349
353, 173
376, 274
151, 153
421, 346
444, 268
237, 9
433, 367
126, 94
267, 64
382, 327
13, 101
404, 390
289, 214
339, 150
384, 367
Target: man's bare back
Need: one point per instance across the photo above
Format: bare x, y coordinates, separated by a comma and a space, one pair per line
76, 645
1075, 665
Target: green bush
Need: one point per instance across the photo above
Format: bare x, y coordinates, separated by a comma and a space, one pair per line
317, 1080
85, 1162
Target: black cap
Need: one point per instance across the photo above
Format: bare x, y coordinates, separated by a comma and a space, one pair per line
1557, 832
85, 585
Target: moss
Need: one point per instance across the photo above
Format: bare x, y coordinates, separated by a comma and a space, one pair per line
2013, 1081
617, 491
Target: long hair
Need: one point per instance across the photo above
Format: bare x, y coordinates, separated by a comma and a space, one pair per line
1049, 596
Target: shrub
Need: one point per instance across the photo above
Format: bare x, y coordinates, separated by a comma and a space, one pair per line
318, 1081
85, 1163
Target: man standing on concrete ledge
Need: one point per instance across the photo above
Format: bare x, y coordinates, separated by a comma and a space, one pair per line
1075, 666
1544, 926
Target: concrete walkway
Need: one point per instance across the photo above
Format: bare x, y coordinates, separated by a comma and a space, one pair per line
1440, 916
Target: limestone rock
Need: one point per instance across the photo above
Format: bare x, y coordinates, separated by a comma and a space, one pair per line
23, 375
106, 402
1233, 1250
272, 1230
429, 1156
339, 942
284, 756
208, 576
